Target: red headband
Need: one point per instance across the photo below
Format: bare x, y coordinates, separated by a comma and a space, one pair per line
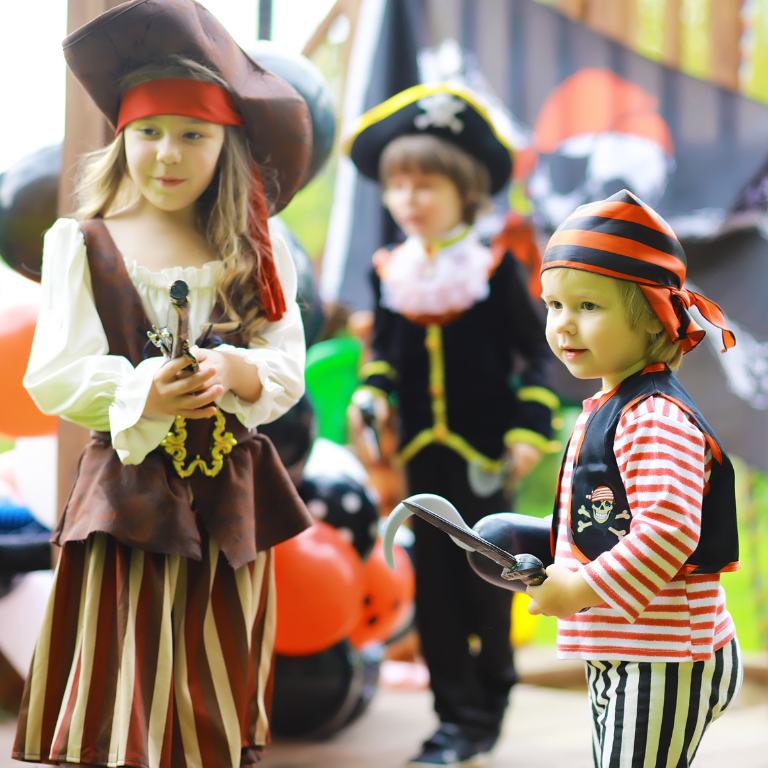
191, 98
212, 103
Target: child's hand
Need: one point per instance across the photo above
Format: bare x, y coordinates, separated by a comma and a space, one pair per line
563, 594
217, 363
176, 393
231, 372
523, 457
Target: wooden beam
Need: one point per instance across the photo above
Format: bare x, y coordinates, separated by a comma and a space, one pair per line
348, 8
725, 42
85, 129
672, 30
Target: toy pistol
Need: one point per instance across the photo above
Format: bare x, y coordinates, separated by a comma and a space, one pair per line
173, 340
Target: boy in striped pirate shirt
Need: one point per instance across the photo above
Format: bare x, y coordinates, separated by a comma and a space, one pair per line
645, 514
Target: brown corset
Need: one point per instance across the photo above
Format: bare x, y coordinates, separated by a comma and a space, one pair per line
249, 506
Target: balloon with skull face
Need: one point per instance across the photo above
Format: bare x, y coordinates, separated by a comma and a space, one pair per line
595, 135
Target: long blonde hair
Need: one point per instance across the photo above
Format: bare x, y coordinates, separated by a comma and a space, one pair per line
104, 187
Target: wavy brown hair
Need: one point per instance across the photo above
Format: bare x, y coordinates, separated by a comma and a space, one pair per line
103, 187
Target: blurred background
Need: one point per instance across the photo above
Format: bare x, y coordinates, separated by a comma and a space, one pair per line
668, 98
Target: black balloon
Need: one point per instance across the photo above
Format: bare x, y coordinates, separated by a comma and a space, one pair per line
29, 201
516, 534
343, 503
317, 695
293, 434
307, 79
370, 659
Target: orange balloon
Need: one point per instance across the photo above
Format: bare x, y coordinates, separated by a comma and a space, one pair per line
388, 596
19, 416
319, 580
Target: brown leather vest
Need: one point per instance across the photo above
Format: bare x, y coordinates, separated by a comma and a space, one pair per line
249, 506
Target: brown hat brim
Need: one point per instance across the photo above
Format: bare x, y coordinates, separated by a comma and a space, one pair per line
143, 32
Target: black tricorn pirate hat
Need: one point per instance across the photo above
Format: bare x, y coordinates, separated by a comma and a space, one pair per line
449, 111
142, 32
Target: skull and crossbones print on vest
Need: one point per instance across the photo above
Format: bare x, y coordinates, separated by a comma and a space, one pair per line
598, 510
603, 514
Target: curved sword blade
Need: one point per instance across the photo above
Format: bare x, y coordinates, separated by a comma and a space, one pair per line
469, 538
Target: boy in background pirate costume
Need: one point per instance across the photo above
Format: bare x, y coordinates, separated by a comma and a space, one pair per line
450, 319
645, 513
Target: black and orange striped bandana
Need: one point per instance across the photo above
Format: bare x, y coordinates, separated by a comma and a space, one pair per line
623, 238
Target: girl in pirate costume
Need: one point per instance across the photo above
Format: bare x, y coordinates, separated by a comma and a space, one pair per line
451, 316
645, 514
158, 642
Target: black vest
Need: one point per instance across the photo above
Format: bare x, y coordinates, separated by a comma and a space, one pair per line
599, 514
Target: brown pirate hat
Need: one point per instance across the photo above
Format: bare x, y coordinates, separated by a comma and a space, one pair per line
142, 32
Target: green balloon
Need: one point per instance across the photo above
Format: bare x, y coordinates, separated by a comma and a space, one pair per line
331, 377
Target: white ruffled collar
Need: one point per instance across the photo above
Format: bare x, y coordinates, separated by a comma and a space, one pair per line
415, 281
195, 277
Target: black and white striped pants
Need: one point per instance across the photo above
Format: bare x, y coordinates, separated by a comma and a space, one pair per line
653, 714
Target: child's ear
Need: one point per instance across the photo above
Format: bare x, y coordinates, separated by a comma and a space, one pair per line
653, 325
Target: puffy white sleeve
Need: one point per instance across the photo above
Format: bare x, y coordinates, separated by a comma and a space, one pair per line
277, 354
70, 373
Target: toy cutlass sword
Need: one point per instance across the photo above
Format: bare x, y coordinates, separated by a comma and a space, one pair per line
525, 568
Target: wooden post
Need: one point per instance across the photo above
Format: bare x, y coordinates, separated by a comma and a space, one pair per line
85, 129
614, 18
576, 9
725, 42
672, 28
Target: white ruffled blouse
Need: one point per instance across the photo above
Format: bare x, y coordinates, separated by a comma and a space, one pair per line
71, 375
417, 282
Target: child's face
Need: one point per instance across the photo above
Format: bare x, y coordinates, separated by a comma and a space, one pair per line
423, 204
172, 158
588, 329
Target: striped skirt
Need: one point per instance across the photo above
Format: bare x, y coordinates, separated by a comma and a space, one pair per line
151, 660
653, 714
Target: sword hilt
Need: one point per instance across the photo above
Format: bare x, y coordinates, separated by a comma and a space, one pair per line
529, 570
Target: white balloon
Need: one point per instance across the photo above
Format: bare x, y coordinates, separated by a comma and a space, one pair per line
36, 473
329, 458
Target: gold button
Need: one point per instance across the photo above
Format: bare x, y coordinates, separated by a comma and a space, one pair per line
437, 390
440, 432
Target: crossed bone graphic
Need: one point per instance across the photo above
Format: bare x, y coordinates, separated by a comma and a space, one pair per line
622, 515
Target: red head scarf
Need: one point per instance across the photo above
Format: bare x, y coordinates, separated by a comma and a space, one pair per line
623, 238
212, 103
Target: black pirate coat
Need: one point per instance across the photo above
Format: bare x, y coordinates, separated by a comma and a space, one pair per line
453, 376
598, 493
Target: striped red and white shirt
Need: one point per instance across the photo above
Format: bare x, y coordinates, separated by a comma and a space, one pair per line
652, 611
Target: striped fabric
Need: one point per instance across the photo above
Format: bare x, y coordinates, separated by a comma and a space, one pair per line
653, 612
653, 714
619, 237
623, 238
151, 660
